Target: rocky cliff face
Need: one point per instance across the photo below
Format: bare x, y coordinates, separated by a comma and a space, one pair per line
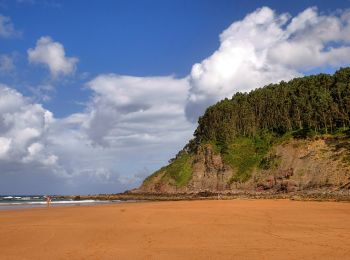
209, 172
304, 165
296, 165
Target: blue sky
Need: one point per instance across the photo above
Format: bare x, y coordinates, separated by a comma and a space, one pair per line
132, 59
141, 38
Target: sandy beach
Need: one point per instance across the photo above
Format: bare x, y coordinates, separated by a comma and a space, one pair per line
235, 229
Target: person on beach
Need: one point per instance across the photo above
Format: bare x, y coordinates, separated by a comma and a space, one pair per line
48, 201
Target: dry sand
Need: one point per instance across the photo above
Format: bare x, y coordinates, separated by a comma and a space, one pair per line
236, 229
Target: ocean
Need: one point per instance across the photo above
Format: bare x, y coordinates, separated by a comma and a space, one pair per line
39, 201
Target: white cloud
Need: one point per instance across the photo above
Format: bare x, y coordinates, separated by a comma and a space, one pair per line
23, 129
52, 55
39, 153
128, 109
35, 153
266, 47
4, 146
7, 29
130, 124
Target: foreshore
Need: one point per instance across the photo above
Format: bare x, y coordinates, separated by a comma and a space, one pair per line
208, 229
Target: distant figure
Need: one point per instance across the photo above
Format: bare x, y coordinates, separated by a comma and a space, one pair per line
48, 201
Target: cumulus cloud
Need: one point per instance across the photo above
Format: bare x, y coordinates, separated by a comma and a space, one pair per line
128, 109
7, 29
266, 47
130, 124
52, 55
23, 130
130, 127
40, 153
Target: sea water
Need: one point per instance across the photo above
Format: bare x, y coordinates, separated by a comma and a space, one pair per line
39, 201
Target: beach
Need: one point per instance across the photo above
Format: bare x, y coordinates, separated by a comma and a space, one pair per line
209, 229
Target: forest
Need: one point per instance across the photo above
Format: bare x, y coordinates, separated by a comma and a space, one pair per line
311, 104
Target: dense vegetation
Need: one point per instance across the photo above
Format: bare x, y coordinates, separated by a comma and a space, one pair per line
243, 129
319, 104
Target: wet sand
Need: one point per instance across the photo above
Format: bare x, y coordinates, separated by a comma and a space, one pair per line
235, 229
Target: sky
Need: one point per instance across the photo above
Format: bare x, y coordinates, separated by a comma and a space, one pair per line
96, 95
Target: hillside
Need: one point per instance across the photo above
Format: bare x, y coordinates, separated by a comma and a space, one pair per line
284, 137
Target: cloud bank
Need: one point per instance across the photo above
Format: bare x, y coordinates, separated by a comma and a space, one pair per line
130, 126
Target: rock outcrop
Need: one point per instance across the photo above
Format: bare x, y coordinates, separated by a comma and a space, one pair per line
301, 165
209, 172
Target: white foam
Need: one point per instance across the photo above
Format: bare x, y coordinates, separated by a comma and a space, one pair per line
25, 204
53, 202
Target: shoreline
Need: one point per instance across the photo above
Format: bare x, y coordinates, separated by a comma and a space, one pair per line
123, 198
131, 197
55, 204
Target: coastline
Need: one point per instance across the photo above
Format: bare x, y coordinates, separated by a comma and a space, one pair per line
225, 229
134, 197
310, 195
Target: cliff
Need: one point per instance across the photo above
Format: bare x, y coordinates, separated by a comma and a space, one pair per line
294, 165
286, 137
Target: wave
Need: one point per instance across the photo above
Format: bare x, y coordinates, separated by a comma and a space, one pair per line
61, 202
52, 202
7, 198
17, 197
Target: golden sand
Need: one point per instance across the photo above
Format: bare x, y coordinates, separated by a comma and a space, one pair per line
235, 229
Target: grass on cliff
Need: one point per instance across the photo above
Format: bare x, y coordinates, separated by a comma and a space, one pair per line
178, 171
244, 154
151, 177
